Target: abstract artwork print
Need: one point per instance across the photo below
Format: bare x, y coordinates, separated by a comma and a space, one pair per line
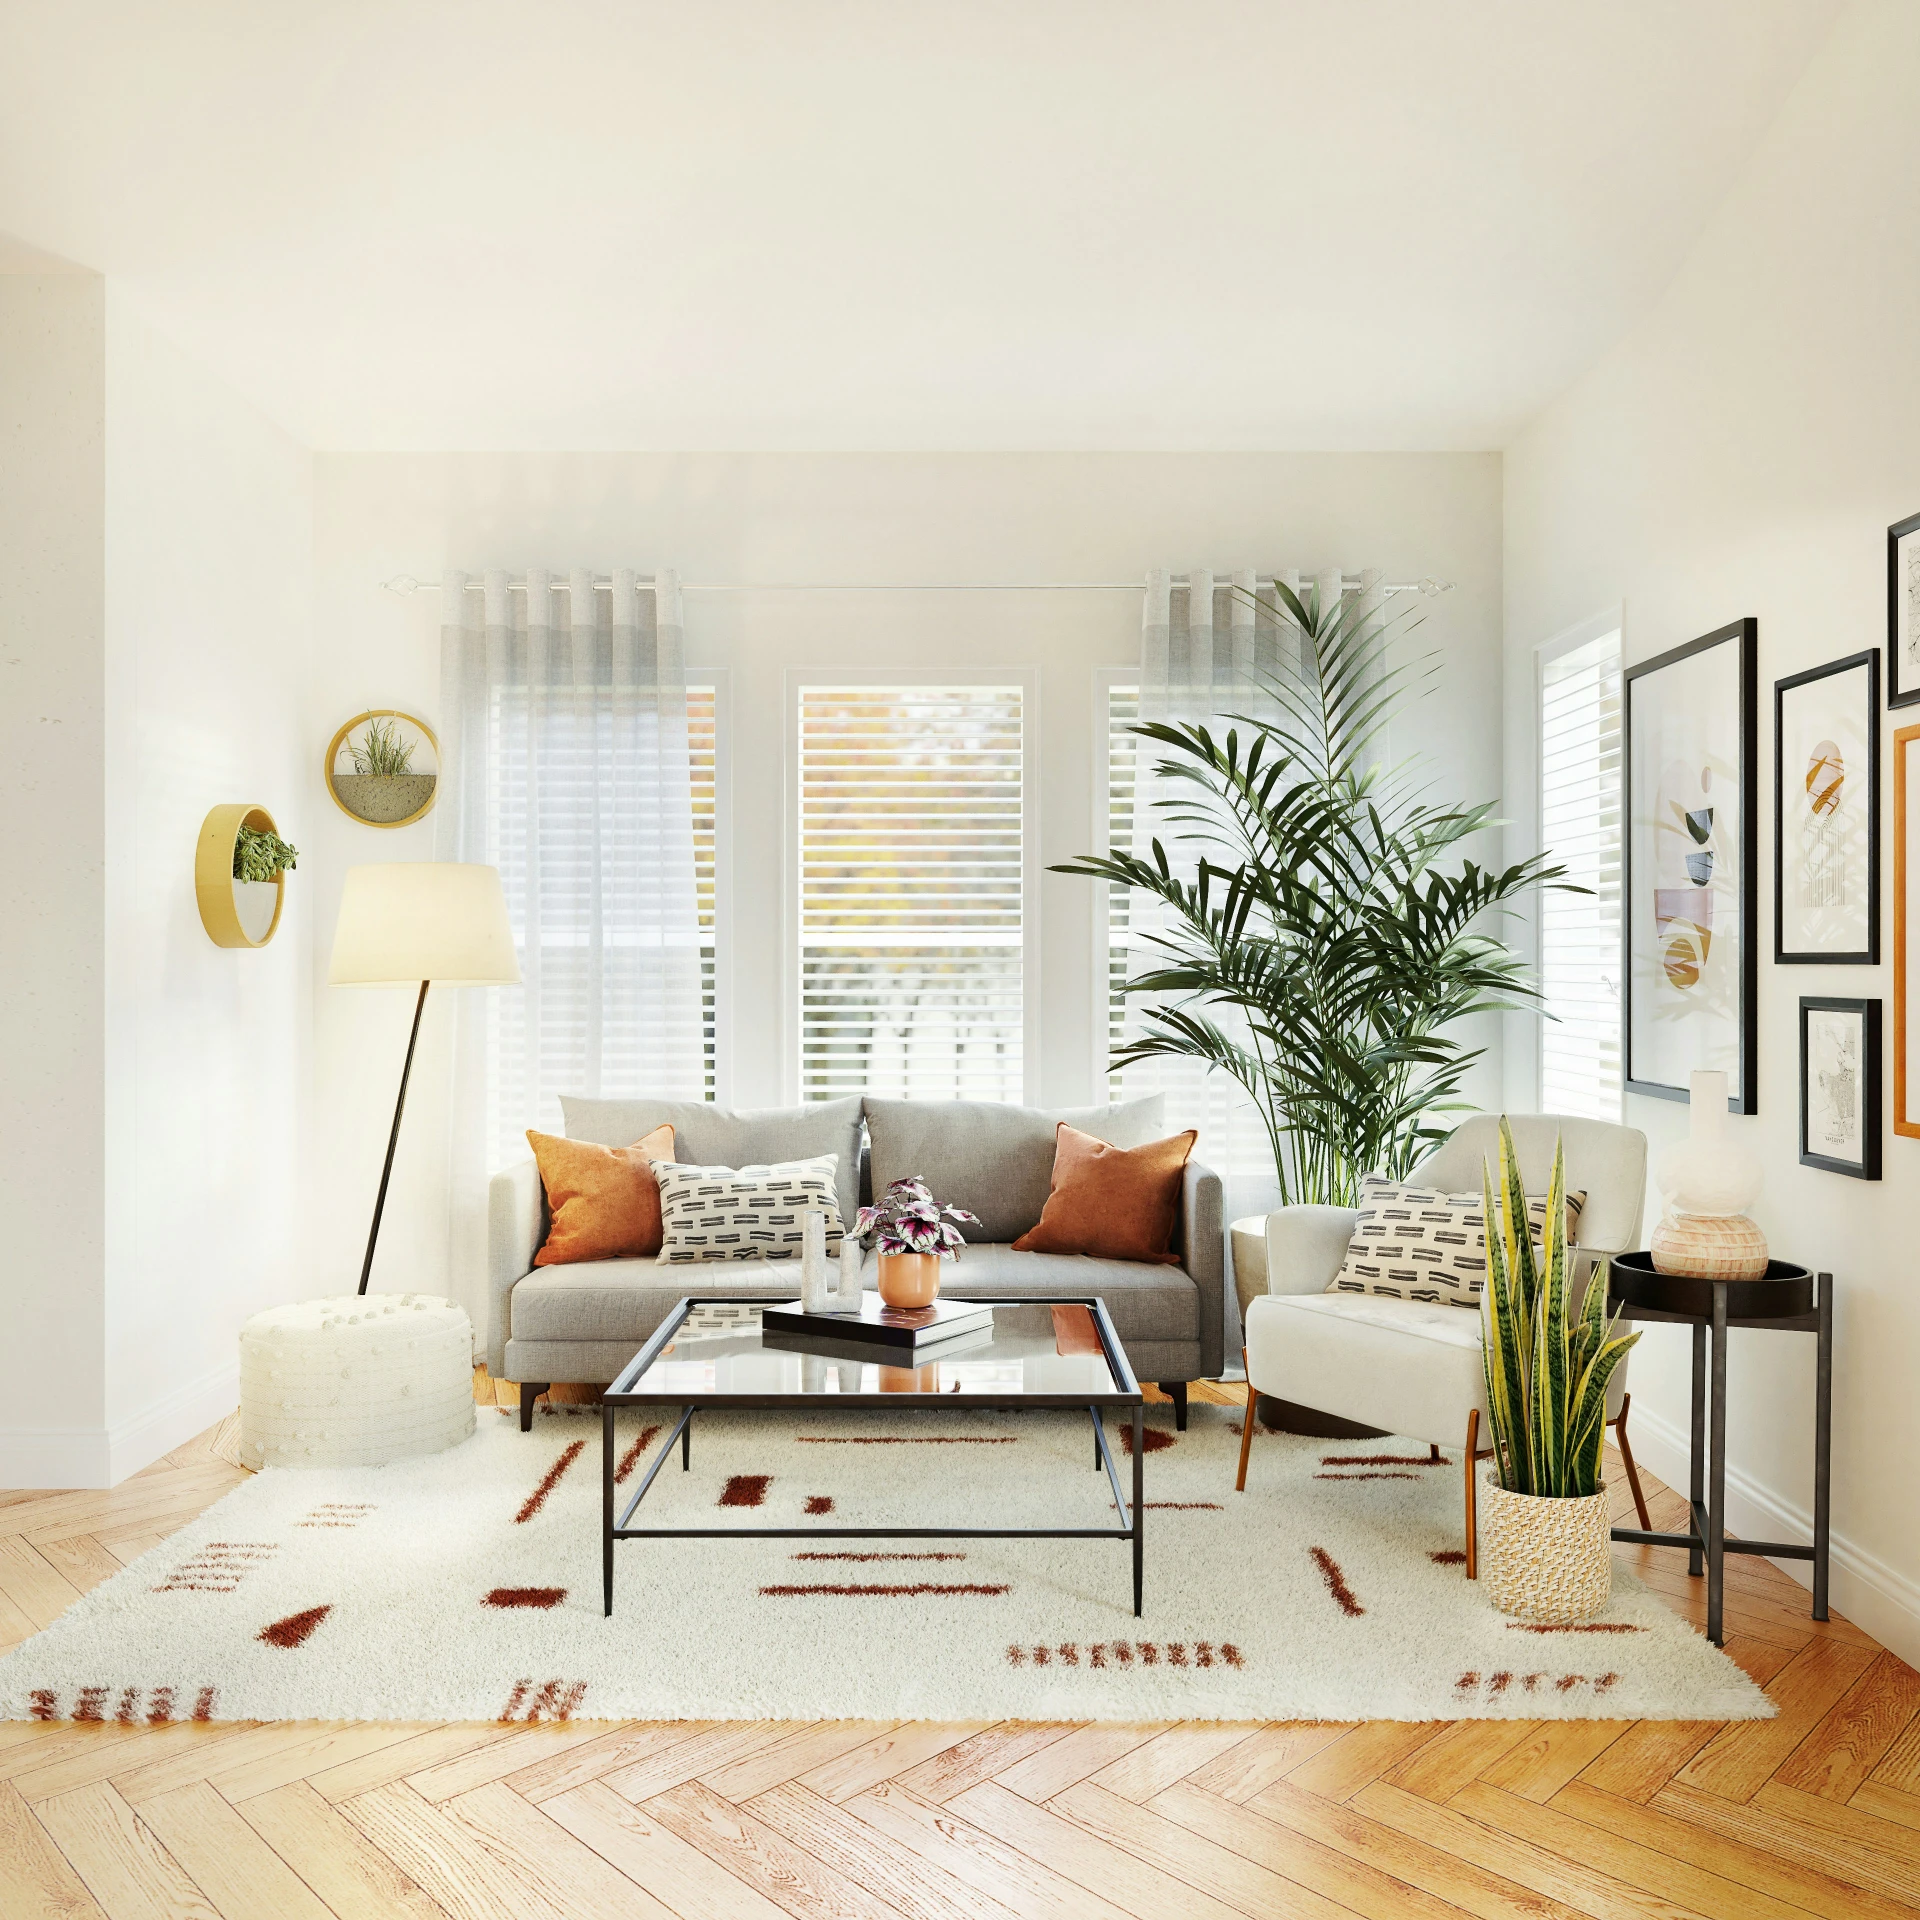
1826, 802
1689, 867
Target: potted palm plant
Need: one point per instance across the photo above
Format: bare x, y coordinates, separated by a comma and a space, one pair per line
914, 1233
1548, 1554
1333, 935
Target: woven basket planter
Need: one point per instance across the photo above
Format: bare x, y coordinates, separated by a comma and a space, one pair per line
1545, 1560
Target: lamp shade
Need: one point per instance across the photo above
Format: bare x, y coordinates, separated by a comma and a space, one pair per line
412, 920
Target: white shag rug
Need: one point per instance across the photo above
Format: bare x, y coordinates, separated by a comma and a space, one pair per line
466, 1586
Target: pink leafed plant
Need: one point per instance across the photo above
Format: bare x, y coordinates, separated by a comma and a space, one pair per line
910, 1220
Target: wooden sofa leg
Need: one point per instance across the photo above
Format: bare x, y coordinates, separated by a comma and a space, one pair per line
1626, 1460
1473, 1525
1246, 1430
1176, 1391
530, 1391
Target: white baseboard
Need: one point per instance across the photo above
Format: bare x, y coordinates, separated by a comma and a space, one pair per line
34, 1459
90, 1458
1862, 1586
172, 1419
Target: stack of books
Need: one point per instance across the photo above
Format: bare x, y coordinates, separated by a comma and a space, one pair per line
889, 1336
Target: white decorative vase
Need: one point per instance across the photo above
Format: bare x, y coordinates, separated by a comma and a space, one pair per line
1708, 1181
847, 1299
814, 1297
1549, 1561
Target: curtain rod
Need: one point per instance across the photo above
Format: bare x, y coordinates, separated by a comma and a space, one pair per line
407, 583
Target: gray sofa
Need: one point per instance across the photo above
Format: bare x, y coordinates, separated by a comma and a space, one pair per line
584, 1322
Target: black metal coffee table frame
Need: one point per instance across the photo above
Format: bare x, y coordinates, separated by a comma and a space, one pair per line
1788, 1299
621, 1394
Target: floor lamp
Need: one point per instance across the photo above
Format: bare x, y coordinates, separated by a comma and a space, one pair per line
420, 921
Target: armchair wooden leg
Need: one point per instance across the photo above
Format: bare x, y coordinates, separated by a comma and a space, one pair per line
1473, 1526
1246, 1430
1626, 1460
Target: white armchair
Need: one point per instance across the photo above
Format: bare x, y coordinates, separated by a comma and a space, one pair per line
1407, 1366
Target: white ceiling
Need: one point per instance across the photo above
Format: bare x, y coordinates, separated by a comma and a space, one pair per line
835, 224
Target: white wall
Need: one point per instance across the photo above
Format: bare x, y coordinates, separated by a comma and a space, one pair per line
52, 891
845, 518
1743, 452
209, 596
156, 534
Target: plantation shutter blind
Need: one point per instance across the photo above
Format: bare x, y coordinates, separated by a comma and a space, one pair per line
911, 892
1580, 829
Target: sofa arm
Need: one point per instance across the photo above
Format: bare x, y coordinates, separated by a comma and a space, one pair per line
1203, 1252
516, 1230
1307, 1246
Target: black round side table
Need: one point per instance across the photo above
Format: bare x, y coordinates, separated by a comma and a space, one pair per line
1785, 1300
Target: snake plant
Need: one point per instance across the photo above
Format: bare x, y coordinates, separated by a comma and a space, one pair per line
1547, 1368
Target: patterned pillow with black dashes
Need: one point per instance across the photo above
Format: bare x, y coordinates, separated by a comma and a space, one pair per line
1417, 1243
744, 1213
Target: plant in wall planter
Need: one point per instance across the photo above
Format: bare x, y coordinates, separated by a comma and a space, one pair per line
382, 768
1548, 1553
914, 1233
260, 857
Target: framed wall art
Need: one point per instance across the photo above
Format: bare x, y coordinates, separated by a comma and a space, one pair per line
1691, 867
1906, 931
1840, 1086
1826, 814
1903, 612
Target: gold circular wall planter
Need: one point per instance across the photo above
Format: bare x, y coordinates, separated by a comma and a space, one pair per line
384, 800
214, 886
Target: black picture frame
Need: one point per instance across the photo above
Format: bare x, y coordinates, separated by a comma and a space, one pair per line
1903, 648
1867, 1091
1866, 663
1638, 684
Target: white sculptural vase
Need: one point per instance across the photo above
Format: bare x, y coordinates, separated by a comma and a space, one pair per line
1709, 1180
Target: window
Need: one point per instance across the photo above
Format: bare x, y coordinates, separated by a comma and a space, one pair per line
911, 892
1233, 1140
702, 736
1580, 830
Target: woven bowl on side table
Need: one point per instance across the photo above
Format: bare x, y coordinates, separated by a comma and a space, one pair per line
355, 1382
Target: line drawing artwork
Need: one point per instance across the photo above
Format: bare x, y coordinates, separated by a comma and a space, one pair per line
1911, 549
1825, 827
1833, 1084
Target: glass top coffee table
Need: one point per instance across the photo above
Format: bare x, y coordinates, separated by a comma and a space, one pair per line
712, 1353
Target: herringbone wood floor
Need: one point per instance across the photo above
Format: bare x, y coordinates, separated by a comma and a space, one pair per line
1816, 1812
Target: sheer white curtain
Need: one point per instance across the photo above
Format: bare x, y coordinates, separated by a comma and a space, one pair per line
1210, 651
566, 766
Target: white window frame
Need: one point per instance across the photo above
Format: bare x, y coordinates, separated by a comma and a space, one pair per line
1027, 679
1569, 640
1100, 954
720, 679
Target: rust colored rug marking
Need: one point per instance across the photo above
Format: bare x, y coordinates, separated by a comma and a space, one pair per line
819, 1503
905, 1439
1448, 1557
525, 1597
295, 1629
538, 1497
879, 1556
918, 1590
1366, 1476
1336, 1582
555, 1701
746, 1490
1581, 1626
1156, 1440
1109, 1654
631, 1458
1379, 1460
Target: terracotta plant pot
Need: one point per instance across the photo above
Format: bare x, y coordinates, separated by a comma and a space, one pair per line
909, 1280
1545, 1560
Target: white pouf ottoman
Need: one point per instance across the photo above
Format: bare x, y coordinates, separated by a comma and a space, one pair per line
355, 1382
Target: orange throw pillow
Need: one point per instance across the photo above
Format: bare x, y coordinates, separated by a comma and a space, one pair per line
1116, 1203
604, 1201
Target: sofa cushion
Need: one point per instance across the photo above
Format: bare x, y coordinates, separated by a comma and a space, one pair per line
602, 1202
714, 1214
627, 1299
994, 1159
1119, 1203
711, 1136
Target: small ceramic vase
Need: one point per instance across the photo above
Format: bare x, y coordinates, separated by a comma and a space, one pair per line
847, 1299
813, 1262
909, 1280
1709, 1180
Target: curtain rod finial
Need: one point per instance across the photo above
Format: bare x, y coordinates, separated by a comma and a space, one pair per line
402, 583
1431, 587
